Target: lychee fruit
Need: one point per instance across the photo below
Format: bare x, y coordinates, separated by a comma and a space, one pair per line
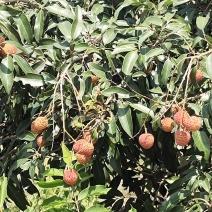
40, 141
7, 49
83, 159
175, 109
87, 135
198, 75
182, 137
192, 124
39, 125
146, 140
1, 39
180, 116
94, 79
70, 176
83, 147
167, 124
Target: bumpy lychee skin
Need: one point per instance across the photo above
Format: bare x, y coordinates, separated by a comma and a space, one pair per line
70, 176
175, 109
94, 79
182, 137
180, 116
198, 75
34, 129
41, 141
1, 39
167, 124
192, 124
39, 125
83, 147
7, 49
146, 140
83, 159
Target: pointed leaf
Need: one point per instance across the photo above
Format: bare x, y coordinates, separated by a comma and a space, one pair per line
3, 190
39, 25
51, 184
64, 28
202, 143
35, 80
124, 48
129, 61
154, 52
202, 21
23, 64
125, 118
24, 27
121, 92
166, 71
144, 36
6, 73
93, 191
109, 36
209, 66
66, 154
142, 108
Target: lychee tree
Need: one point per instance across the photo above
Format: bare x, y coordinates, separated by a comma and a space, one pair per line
106, 103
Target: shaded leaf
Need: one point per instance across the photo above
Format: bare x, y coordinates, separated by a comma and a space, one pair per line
35, 80
129, 62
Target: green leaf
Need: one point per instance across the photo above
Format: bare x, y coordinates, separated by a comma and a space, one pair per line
202, 22
202, 143
16, 165
35, 80
122, 93
3, 190
24, 27
129, 61
66, 154
156, 20
77, 25
97, 9
51, 184
97, 70
126, 47
142, 108
26, 136
93, 191
125, 118
17, 195
144, 36
172, 200
54, 202
154, 52
6, 73
166, 71
209, 66
39, 26
109, 36
61, 11
64, 28
23, 64
96, 208
179, 2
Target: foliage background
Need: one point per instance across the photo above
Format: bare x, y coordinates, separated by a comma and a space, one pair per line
142, 52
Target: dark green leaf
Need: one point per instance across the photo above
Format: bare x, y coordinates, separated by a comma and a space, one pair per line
23, 64
35, 80
6, 73
39, 25
166, 71
129, 61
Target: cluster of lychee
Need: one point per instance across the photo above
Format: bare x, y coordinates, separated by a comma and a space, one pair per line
84, 149
6, 48
183, 120
37, 127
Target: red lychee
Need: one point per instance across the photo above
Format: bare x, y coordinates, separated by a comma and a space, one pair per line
167, 124
182, 137
7, 49
83, 147
40, 141
83, 159
175, 109
70, 176
146, 140
180, 116
94, 79
198, 75
192, 124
